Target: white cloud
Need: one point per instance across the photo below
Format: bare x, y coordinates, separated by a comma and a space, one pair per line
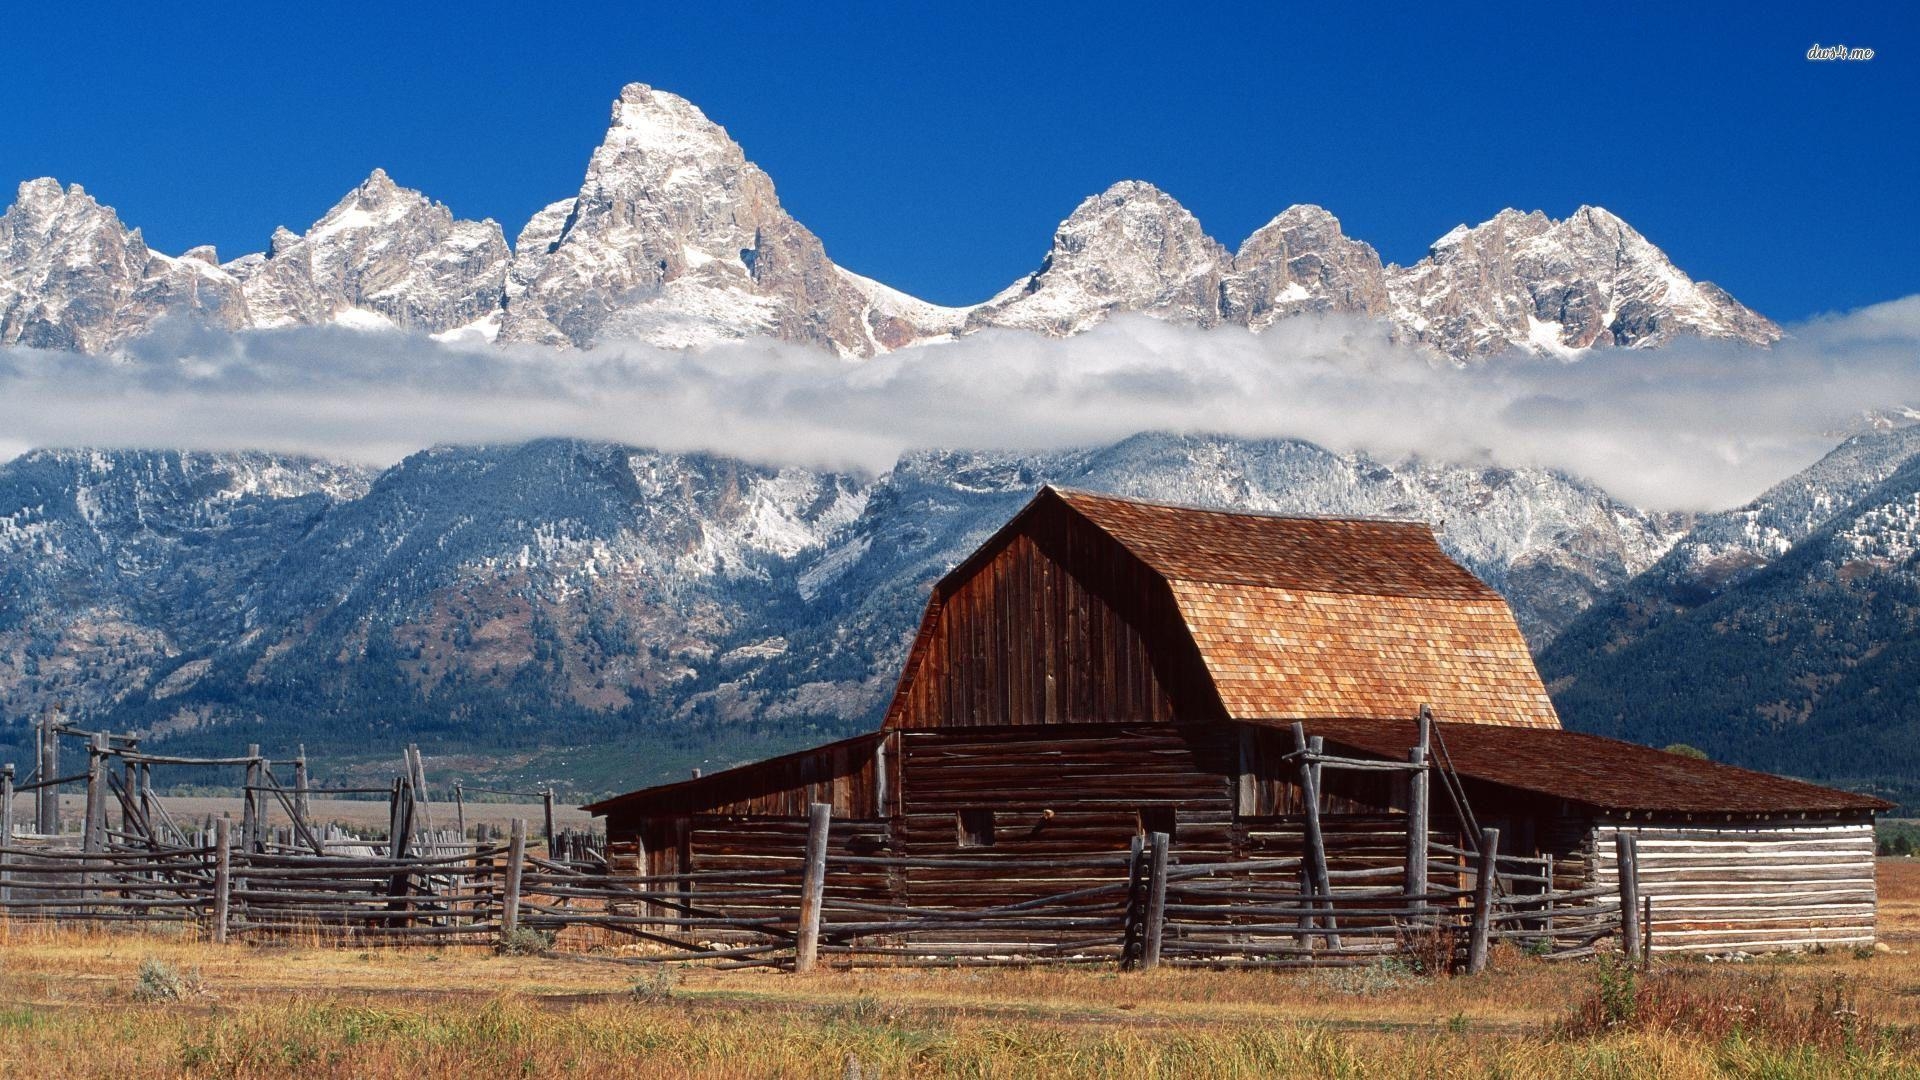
1698, 425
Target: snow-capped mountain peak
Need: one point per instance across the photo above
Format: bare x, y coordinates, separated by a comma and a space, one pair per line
1132, 247
1589, 280
383, 253
675, 238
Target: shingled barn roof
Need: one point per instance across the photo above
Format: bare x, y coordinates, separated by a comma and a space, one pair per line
1319, 617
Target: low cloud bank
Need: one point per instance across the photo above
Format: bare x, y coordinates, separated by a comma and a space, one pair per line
1700, 425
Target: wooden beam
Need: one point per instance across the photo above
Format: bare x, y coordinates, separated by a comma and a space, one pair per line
1156, 927
1419, 792
250, 804
1316, 854
1627, 861
222, 878
46, 819
96, 822
516, 865
1485, 872
6, 826
813, 885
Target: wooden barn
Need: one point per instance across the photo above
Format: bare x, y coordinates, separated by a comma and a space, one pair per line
1103, 668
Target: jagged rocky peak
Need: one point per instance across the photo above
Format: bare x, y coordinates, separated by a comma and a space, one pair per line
1301, 262
384, 253
1590, 280
676, 238
73, 276
1132, 247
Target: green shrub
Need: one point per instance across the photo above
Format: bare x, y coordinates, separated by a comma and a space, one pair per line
158, 980
654, 984
526, 941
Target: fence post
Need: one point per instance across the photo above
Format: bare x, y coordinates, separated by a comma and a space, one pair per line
1418, 792
46, 818
1626, 858
460, 811
302, 796
222, 878
250, 804
1133, 935
96, 823
6, 826
813, 884
1316, 853
1485, 871
510, 891
1156, 901
547, 797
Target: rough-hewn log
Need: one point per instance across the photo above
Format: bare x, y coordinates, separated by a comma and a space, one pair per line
1483, 901
1156, 918
222, 880
812, 886
1625, 860
510, 892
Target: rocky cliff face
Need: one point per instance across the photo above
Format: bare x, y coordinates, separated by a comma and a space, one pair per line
383, 253
1558, 287
1129, 248
676, 239
73, 277
1301, 263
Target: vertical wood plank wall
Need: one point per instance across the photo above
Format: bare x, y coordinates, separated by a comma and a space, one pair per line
1025, 640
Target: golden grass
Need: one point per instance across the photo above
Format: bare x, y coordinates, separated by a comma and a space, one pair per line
67, 1000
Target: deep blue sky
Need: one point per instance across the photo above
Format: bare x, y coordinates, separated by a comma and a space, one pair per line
937, 149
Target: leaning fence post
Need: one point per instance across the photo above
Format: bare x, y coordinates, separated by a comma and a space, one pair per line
1316, 846
6, 826
1485, 870
813, 884
510, 892
1626, 861
1133, 934
1156, 901
222, 879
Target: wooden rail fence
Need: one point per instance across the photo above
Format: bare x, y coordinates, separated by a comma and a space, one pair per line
1138, 909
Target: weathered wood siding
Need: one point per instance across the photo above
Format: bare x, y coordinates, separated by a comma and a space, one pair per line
1750, 886
1096, 780
1056, 624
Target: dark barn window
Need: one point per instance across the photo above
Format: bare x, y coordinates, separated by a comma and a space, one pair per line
976, 828
1155, 819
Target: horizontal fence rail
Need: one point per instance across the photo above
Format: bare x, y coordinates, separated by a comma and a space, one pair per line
802, 906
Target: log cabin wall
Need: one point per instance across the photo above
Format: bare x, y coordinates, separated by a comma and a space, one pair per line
1055, 623
1030, 792
1786, 883
659, 831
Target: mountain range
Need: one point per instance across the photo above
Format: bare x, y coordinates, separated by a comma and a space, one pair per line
530, 595
676, 239
1784, 634
601, 615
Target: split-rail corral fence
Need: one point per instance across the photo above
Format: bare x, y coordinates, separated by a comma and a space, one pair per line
813, 901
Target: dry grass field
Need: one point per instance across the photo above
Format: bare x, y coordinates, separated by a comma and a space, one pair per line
139, 1004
